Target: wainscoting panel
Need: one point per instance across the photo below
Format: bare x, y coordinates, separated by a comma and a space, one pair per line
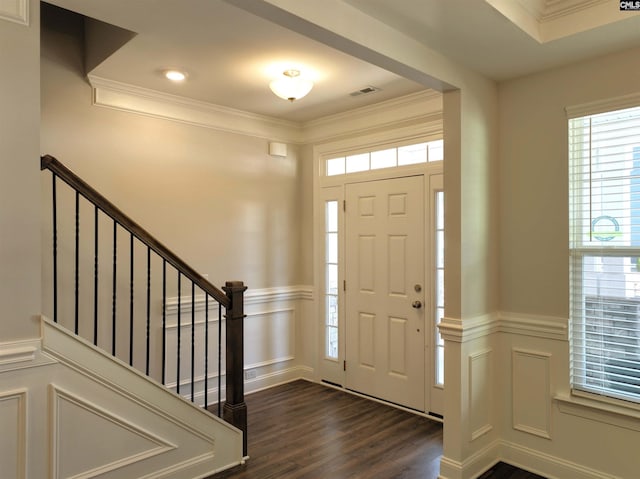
80, 428
480, 393
13, 417
15, 11
106, 419
269, 337
531, 398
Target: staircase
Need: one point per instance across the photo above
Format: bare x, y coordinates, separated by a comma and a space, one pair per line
147, 353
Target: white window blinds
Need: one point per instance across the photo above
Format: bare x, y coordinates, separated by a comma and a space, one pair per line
604, 222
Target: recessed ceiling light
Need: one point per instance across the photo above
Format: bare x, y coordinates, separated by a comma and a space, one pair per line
175, 75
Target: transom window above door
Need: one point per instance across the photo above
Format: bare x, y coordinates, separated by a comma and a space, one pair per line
425, 152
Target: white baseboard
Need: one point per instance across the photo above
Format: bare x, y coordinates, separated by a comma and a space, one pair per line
277, 378
472, 467
546, 465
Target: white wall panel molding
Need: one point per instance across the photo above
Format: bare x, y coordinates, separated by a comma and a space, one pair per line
531, 392
79, 427
13, 417
547, 327
133, 99
251, 297
547, 465
22, 354
270, 337
611, 414
117, 376
83, 367
460, 331
480, 393
15, 11
271, 325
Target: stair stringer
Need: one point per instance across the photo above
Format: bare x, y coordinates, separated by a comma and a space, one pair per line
107, 419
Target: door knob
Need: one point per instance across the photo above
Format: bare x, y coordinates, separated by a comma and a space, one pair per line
417, 304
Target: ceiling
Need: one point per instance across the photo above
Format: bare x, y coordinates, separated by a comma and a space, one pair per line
231, 55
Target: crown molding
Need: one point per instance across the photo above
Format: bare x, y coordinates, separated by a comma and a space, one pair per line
418, 108
548, 20
134, 99
16, 11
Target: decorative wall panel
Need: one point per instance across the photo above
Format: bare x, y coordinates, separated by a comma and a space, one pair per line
480, 393
531, 398
15, 11
13, 410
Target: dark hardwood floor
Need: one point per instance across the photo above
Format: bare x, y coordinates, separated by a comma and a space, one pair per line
303, 430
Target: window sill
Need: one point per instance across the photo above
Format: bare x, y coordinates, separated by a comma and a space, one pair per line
599, 410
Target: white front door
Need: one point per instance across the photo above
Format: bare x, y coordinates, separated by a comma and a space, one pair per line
385, 290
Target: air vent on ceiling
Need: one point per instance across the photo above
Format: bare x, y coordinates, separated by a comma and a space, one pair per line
365, 91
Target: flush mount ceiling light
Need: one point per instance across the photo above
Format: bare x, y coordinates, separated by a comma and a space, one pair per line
291, 86
175, 75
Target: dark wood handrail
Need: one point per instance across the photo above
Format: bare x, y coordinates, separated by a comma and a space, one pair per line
50, 163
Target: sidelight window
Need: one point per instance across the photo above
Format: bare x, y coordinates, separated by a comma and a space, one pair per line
331, 278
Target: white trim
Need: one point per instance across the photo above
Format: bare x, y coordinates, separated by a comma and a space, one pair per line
460, 331
422, 108
473, 360
473, 466
57, 394
182, 468
523, 457
251, 297
516, 422
599, 410
22, 354
19, 395
281, 293
108, 371
18, 14
133, 99
547, 327
601, 106
547, 465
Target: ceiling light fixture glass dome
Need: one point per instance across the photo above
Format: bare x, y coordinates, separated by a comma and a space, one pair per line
291, 86
175, 75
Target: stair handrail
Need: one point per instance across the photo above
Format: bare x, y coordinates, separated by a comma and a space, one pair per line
55, 166
232, 299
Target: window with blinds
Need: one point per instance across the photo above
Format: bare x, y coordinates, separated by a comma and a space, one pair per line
604, 242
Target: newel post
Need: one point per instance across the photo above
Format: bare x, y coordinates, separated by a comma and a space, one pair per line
235, 409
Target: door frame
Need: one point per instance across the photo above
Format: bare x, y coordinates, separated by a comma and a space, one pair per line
333, 188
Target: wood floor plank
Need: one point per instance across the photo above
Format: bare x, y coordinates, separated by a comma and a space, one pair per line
303, 430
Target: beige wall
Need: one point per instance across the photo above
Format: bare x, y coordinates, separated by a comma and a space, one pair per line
19, 180
534, 230
534, 277
216, 199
